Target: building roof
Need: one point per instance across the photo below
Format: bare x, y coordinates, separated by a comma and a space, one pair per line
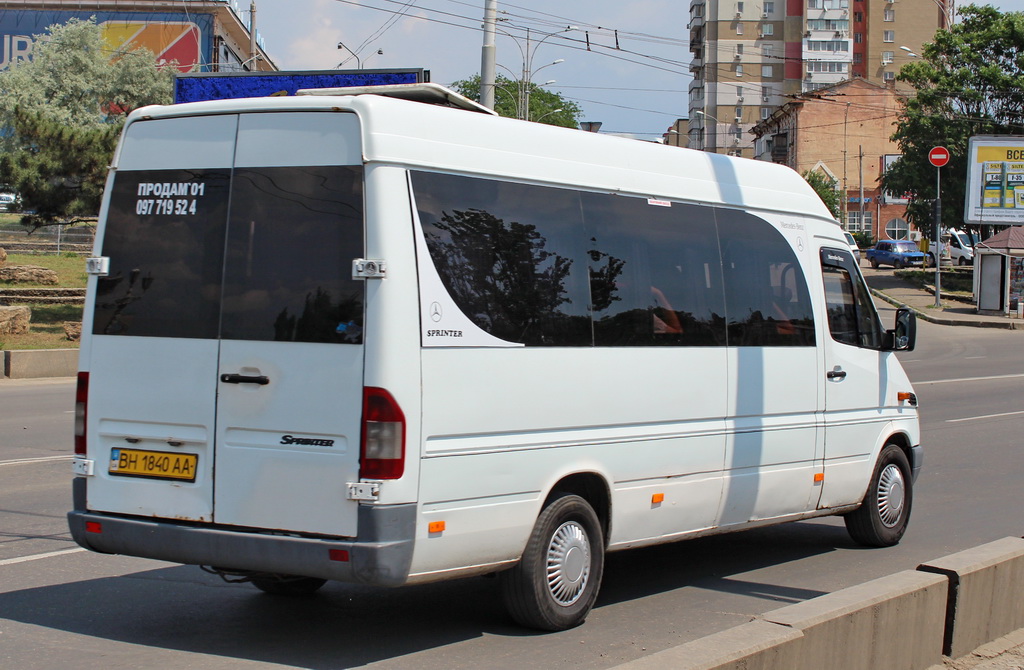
1008, 239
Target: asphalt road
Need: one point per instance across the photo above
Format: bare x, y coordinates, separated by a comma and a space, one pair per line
60, 607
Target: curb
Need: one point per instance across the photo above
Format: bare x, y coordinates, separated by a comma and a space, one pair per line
1008, 325
38, 363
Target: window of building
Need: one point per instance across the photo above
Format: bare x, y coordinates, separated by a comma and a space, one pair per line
765, 112
887, 57
767, 71
766, 91
739, 70
739, 27
858, 58
836, 25
769, 7
768, 29
826, 67
858, 38
888, 76
767, 51
888, 35
828, 45
889, 14
858, 17
739, 49
897, 229
855, 223
739, 7
814, 4
739, 112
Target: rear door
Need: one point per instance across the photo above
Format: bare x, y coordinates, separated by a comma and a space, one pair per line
226, 363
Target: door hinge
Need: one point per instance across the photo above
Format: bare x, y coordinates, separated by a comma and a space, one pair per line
365, 268
97, 265
83, 466
363, 490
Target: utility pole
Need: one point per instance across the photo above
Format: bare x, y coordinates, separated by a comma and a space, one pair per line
252, 31
488, 58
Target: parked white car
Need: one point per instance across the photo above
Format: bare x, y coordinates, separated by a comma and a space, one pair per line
8, 201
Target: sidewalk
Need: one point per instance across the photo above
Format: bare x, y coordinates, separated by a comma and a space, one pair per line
886, 286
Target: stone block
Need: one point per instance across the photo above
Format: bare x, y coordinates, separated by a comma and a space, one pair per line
986, 593
14, 320
896, 623
757, 645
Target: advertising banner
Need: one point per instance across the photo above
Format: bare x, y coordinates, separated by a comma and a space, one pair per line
196, 87
186, 39
995, 180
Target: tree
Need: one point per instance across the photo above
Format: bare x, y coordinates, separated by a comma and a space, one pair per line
970, 81
62, 112
545, 106
825, 187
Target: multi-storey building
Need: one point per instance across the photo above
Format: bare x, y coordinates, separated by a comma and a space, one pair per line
750, 56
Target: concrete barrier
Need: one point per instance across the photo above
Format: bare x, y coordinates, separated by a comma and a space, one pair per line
29, 363
986, 594
896, 622
757, 645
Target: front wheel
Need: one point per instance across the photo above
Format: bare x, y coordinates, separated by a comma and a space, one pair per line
882, 518
874, 263
962, 262
555, 583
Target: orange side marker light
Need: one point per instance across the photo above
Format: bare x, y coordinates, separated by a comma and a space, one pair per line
436, 527
819, 476
657, 498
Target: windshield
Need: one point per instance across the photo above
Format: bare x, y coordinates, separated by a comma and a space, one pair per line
965, 240
905, 247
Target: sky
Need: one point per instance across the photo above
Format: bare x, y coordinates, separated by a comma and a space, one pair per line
625, 62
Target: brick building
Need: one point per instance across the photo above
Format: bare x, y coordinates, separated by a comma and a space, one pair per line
842, 131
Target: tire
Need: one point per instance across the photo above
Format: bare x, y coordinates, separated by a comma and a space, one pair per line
874, 263
929, 261
882, 518
288, 585
962, 261
555, 583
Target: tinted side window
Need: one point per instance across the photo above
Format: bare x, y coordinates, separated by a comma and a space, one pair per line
852, 318
165, 241
510, 255
766, 294
655, 273
292, 236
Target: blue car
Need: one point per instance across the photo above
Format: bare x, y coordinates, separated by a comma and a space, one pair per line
897, 253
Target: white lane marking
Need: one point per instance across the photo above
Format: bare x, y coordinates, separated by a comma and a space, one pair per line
969, 379
41, 459
986, 416
36, 557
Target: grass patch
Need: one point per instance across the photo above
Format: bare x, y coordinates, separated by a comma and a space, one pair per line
46, 330
70, 269
954, 281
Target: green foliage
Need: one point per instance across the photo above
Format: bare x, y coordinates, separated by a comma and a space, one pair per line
865, 240
825, 187
543, 103
63, 111
970, 81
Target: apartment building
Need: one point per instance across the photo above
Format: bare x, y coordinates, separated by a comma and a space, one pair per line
751, 56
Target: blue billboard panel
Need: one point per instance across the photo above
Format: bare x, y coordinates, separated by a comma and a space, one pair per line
196, 87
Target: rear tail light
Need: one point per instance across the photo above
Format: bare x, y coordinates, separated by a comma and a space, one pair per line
382, 448
81, 402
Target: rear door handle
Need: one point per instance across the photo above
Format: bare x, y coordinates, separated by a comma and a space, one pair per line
836, 374
235, 378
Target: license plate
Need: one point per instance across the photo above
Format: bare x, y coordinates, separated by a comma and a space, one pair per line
153, 464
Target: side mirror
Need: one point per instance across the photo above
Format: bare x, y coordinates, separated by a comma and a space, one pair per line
904, 335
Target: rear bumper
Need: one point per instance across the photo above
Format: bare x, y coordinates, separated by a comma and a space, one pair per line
381, 555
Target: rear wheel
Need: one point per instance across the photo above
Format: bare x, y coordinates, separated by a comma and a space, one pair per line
555, 583
287, 585
882, 518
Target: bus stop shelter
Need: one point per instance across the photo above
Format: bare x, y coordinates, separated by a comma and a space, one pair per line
999, 272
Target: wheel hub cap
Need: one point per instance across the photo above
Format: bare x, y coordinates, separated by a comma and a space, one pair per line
891, 494
568, 563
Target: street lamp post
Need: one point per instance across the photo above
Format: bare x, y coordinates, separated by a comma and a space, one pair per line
359, 65
703, 141
527, 53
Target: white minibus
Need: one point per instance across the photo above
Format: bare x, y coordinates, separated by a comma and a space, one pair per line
349, 336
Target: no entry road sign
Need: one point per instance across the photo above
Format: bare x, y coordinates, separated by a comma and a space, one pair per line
938, 156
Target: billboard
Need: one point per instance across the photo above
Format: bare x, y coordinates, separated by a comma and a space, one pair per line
186, 38
995, 180
196, 87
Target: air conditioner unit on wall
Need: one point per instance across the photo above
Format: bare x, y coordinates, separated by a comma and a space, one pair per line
764, 15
